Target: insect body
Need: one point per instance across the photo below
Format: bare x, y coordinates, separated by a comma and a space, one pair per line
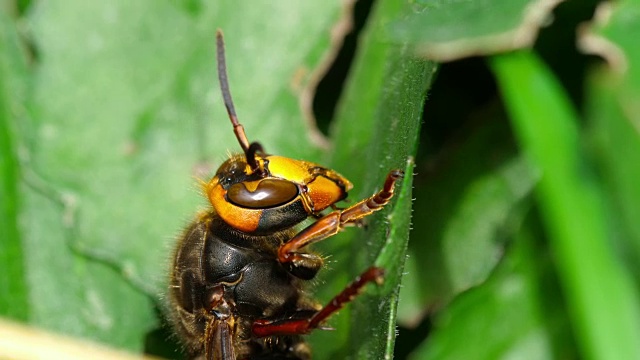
239, 269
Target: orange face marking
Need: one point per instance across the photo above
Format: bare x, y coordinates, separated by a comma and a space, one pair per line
322, 184
245, 220
323, 193
290, 169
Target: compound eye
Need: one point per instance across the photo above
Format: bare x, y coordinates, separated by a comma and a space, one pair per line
269, 193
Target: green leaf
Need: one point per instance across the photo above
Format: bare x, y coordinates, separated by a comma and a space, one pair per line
612, 111
572, 205
617, 146
54, 278
448, 30
508, 315
13, 289
468, 210
612, 35
375, 131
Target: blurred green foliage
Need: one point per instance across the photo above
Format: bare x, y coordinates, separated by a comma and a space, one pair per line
525, 239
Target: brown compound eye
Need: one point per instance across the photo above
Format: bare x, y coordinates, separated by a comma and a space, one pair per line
267, 194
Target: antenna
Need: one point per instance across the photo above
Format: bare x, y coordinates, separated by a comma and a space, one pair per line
238, 129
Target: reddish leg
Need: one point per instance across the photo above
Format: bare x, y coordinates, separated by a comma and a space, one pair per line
266, 327
330, 224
